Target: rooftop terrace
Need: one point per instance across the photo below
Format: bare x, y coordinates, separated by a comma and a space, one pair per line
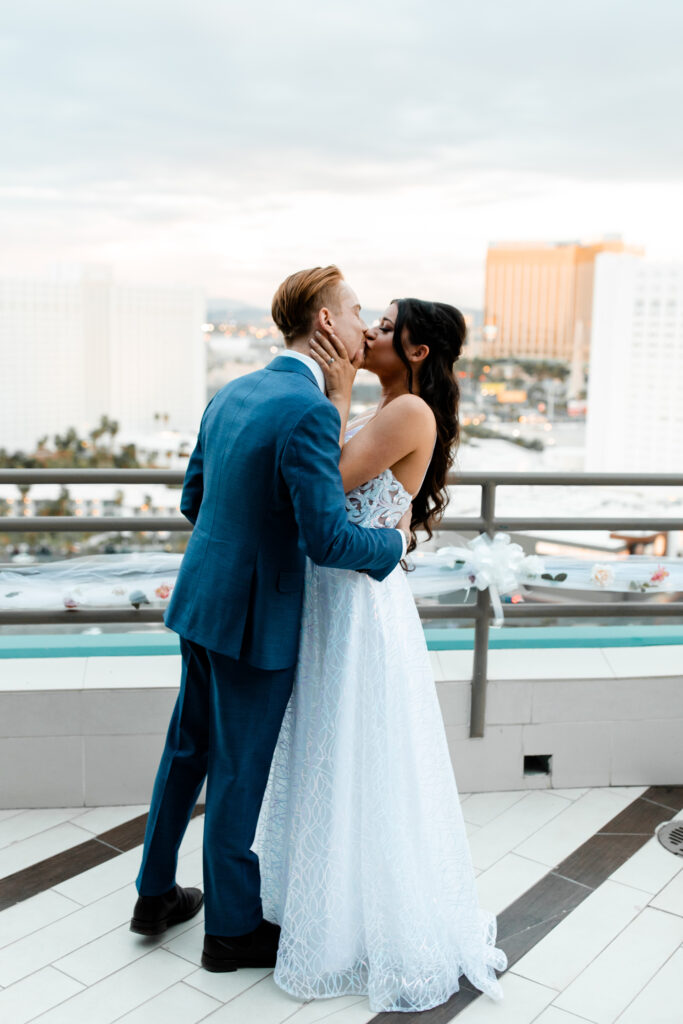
589, 904
575, 763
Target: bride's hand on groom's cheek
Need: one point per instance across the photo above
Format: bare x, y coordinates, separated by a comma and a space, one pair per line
330, 354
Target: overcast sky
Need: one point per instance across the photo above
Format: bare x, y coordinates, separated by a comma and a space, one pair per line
225, 145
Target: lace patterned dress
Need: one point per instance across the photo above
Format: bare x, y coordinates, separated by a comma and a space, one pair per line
364, 858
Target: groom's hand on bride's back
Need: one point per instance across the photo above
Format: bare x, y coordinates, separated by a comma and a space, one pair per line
404, 526
404, 522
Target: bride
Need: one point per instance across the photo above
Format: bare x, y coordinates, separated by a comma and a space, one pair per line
364, 858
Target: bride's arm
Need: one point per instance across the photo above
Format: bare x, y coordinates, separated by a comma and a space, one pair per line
403, 427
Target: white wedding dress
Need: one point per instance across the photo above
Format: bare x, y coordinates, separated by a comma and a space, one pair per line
364, 858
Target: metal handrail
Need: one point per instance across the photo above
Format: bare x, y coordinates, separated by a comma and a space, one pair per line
502, 478
486, 522
91, 476
177, 524
94, 524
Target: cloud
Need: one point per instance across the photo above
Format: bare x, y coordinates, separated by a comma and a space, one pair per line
222, 142
129, 90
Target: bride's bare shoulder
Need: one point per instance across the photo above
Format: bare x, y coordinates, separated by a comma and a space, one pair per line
409, 407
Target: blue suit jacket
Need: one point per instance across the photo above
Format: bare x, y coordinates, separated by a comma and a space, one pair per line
263, 490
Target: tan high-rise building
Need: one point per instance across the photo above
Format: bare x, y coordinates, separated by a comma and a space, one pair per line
539, 299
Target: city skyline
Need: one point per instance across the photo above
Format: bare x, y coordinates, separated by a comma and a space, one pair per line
195, 147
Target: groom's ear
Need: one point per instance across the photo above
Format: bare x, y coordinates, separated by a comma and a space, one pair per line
324, 318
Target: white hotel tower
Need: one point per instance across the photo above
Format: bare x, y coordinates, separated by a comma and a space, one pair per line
78, 346
635, 384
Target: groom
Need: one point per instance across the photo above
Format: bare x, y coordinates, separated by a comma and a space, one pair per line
262, 490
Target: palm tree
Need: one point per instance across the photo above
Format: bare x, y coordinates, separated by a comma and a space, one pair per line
97, 432
68, 441
106, 426
62, 505
23, 490
127, 458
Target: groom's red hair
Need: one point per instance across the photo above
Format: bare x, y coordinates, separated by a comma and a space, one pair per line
301, 295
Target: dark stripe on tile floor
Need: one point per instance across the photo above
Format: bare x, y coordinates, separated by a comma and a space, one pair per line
667, 796
47, 873
529, 919
50, 872
520, 926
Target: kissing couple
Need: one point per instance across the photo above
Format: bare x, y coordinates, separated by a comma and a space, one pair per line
334, 844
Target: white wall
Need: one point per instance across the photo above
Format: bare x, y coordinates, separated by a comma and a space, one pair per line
635, 412
42, 360
157, 357
90, 731
73, 350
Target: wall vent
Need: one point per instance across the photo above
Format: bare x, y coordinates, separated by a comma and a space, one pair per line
537, 764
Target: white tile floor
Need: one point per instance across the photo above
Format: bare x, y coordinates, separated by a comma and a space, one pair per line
67, 956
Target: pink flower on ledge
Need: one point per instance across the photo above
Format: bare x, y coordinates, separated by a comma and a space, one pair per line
660, 574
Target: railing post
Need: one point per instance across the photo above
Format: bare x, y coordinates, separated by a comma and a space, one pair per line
481, 627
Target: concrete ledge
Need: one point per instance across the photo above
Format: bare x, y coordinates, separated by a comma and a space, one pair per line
104, 645
80, 731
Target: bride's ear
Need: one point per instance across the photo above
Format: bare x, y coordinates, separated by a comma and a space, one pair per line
418, 354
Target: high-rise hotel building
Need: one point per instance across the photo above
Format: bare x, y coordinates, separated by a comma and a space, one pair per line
78, 346
539, 299
635, 382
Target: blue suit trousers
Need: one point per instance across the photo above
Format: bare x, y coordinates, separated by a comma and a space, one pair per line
224, 728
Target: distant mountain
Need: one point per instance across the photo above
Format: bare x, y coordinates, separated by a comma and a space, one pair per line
223, 310
476, 314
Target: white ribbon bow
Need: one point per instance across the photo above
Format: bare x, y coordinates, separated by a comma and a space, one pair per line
497, 564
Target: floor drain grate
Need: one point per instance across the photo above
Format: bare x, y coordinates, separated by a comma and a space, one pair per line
670, 835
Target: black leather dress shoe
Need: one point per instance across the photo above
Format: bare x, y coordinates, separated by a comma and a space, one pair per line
255, 949
154, 914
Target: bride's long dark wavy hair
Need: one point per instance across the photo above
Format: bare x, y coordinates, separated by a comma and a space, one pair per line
442, 328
